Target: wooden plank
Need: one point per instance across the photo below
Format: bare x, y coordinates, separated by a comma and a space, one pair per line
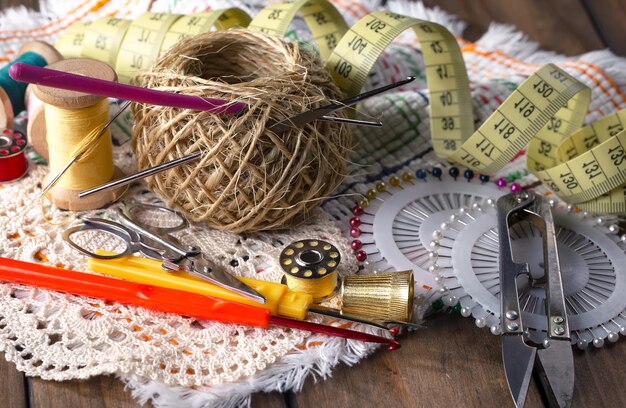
559, 25
453, 363
272, 399
608, 17
31, 4
104, 392
97, 392
600, 376
12, 386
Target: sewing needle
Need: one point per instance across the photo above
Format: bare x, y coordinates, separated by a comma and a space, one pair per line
142, 174
78, 156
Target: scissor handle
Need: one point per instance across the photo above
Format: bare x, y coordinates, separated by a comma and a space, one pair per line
174, 249
128, 214
100, 224
511, 313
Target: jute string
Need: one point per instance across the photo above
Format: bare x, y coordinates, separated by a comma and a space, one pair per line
249, 178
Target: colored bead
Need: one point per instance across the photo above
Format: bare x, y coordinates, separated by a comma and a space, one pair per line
437, 172
364, 202
484, 178
356, 245
515, 187
454, 172
407, 176
468, 174
394, 331
361, 256
371, 194
358, 211
437, 304
381, 186
394, 181
355, 232
421, 174
501, 182
355, 222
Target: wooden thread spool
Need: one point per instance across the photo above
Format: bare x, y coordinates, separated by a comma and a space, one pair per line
36, 128
310, 267
12, 93
70, 118
13, 163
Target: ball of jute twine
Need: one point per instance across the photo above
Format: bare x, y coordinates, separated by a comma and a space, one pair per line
249, 178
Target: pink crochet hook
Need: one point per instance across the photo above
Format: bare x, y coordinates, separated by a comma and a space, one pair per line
73, 82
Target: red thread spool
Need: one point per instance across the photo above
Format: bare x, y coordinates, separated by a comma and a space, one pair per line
13, 164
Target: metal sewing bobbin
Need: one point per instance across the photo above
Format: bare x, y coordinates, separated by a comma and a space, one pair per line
379, 296
310, 267
13, 163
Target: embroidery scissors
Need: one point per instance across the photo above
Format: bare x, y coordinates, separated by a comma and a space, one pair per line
157, 242
553, 358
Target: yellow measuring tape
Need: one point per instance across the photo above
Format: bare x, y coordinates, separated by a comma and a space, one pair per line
544, 113
322, 18
446, 77
142, 43
70, 45
103, 39
193, 24
132, 46
585, 166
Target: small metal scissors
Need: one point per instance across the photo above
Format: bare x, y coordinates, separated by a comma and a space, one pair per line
555, 363
157, 243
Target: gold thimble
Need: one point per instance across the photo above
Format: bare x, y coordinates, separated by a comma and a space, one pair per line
381, 296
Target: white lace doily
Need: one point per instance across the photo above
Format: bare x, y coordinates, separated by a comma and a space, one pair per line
57, 336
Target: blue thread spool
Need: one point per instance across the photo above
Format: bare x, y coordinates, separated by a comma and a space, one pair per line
12, 92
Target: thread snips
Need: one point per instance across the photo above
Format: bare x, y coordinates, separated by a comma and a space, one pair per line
157, 242
552, 359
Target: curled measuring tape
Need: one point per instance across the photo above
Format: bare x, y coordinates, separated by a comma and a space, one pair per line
586, 167
193, 24
142, 43
593, 268
71, 43
322, 18
131, 46
542, 112
103, 38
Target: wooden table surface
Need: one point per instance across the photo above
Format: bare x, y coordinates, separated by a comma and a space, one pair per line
450, 362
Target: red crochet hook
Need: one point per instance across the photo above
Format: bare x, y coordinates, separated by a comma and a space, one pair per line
164, 299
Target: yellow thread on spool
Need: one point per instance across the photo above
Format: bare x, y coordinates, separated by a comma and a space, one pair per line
70, 130
316, 286
74, 123
310, 267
